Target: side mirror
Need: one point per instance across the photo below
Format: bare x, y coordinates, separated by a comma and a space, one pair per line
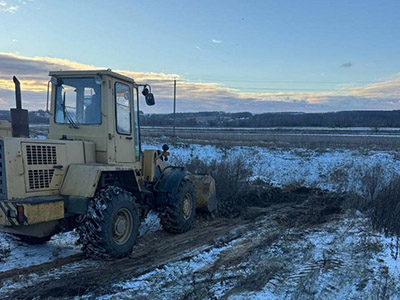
148, 96
56, 81
150, 99
165, 152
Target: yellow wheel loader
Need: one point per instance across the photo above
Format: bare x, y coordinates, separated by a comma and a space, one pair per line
91, 174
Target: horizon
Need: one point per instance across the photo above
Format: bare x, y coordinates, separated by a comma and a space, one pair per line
258, 57
240, 112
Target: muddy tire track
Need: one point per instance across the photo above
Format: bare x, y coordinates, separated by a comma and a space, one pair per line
153, 250
58, 279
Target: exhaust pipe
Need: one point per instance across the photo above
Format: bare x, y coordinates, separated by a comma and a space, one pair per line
19, 116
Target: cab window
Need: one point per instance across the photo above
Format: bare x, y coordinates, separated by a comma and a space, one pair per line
123, 100
78, 101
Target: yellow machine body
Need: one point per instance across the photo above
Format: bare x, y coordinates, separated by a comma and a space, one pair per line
45, 181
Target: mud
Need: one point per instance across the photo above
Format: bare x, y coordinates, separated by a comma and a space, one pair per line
297, 208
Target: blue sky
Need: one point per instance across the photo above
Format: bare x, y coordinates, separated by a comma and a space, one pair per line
251, 47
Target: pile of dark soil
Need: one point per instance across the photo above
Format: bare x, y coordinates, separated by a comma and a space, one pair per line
313, 206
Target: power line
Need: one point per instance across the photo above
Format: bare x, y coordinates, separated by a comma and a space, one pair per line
284, 82
260, 88
276, 89
266, 82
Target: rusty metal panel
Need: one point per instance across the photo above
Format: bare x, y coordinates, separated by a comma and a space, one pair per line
81, 179
44, 165
34, 212
149, 165
43, 212
205, 192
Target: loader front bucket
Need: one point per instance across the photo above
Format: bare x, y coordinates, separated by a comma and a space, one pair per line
205, 192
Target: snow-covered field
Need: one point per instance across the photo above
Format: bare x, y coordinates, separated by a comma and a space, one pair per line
331, 169
300, 128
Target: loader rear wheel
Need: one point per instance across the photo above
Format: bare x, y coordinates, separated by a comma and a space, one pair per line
179, 216
110, 228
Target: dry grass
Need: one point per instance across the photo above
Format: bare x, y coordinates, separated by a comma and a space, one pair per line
385, 209
236, 192
231, 178
372, 181
281, 140
384, 286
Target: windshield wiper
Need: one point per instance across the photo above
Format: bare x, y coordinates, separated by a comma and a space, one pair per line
67, 114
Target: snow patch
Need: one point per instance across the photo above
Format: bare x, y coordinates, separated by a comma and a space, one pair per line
170, 281
20, 255
150, 224
335, 170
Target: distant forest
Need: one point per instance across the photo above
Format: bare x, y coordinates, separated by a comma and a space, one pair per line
35, 117
246, 119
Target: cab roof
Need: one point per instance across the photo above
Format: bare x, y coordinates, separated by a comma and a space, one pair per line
75, 73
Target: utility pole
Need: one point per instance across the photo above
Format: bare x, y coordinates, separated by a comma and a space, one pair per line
174, 106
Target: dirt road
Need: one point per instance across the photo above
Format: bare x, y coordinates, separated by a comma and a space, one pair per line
152, 251
239, 238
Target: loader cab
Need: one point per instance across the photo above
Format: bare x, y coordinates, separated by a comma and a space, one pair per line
98, 106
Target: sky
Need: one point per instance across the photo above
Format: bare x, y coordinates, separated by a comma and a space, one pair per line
256, 56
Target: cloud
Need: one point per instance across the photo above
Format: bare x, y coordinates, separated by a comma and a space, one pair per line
5, 7
389, 88
347, 65
216, 41
197, 47
12, 9
195, 96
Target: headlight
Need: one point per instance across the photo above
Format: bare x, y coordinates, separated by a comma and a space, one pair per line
54, 80
98, 80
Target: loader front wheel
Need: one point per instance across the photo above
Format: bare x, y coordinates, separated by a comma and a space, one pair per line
179, 215
110, 228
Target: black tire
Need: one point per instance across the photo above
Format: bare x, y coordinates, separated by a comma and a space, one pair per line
173, 218
33, 240
110, 228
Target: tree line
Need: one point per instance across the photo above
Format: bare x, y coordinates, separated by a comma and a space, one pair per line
374, 119
245, 119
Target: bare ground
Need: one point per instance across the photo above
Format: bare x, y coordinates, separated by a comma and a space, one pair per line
76, 276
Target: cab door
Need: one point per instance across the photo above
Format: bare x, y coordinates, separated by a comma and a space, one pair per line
124, 141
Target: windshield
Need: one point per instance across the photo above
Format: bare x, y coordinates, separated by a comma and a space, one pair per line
78, 101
